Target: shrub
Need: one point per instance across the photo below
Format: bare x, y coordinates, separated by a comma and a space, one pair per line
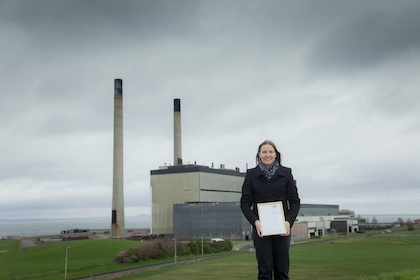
195, 247
166, 248
221, 246
148, 251
410, 225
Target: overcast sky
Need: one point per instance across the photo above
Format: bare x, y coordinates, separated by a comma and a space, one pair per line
335, 84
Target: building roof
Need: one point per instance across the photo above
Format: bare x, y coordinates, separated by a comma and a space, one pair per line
186, 168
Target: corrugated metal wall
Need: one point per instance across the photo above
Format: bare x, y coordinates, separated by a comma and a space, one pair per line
213, 220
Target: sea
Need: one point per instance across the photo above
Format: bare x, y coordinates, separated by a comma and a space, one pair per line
43, 227
389, 218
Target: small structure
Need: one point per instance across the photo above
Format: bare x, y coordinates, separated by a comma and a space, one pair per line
323, 219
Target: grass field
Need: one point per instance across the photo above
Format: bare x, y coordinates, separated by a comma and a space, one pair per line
386, 257
85, 257
390, 256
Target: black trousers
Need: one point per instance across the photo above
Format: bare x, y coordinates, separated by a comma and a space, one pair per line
272, 254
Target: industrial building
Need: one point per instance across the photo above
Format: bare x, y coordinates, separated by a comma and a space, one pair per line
225, 220
195, 201
187, 184
191, 201
323, 219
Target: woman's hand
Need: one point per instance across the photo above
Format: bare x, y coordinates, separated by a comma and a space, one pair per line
287, 229
258, 227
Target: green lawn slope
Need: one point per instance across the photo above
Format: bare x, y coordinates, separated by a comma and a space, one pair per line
389, 256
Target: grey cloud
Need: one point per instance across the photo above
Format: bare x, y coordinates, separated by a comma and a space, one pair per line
245, 71
369, 37
76, 25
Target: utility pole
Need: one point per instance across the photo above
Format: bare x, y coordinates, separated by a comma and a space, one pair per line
65, 262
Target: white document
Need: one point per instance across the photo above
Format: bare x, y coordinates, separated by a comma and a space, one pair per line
271, 216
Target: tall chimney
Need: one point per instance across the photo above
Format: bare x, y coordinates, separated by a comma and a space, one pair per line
177, 133
117, 222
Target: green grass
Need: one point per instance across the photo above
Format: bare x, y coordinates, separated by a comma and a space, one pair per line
379, 257
85, 257
8, 245
236, 267
410, 275
348, 259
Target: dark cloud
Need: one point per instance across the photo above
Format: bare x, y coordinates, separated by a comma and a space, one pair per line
368, 37
76, 24
333, 83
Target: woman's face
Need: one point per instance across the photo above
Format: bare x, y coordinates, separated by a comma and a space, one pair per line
267, 154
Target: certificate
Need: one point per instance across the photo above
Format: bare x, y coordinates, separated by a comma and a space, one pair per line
271, 216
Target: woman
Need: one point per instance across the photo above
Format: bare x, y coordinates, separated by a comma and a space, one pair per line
267, 182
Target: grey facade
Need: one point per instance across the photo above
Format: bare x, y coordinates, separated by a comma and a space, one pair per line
210, 220
318, 210
225, 220
339, 226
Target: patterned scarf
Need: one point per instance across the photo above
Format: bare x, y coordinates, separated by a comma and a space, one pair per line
268, 173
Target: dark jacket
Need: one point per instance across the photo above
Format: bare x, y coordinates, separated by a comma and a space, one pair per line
281, 187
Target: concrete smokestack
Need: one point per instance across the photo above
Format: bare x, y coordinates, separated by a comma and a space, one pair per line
117, 223
177, 133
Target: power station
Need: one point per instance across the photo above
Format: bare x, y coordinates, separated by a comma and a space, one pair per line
190, 184
191, 201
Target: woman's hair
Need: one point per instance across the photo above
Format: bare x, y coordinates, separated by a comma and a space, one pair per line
268, 142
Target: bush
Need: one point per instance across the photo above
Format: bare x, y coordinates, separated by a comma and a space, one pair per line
195, 247
165, 248
148, 251
410, 225
221, 246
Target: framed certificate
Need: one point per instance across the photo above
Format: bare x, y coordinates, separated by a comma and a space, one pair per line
271, 216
